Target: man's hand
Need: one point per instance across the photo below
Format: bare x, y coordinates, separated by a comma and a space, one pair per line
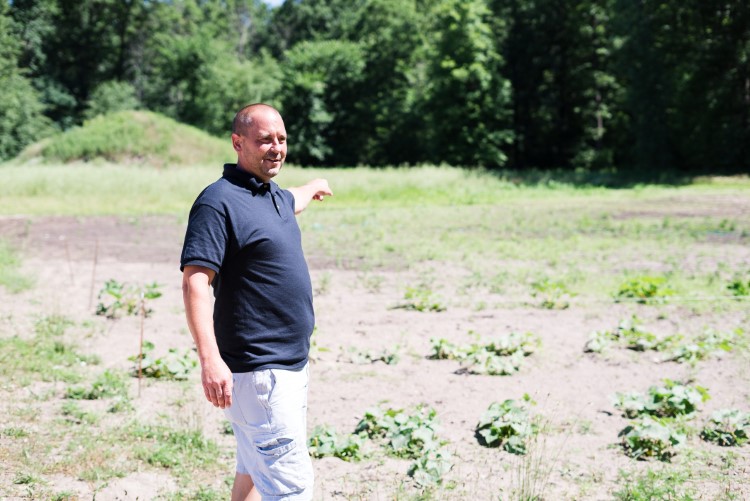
317, 189
217, 383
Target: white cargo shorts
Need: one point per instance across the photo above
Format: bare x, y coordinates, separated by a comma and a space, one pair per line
269, 419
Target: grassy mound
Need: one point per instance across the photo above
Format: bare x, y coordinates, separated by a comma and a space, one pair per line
138, 137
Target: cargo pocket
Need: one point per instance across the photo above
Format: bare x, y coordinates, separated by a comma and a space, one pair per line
286, 467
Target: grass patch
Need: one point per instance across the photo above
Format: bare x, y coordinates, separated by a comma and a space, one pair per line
10, 277
44, 356
140, 137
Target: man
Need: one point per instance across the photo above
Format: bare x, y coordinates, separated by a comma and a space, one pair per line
243, 239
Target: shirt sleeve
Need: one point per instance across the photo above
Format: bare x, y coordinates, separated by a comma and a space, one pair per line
205, 238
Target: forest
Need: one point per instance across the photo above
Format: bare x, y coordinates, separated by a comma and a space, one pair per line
643, 86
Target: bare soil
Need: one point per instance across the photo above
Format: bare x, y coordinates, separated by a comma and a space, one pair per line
71, 258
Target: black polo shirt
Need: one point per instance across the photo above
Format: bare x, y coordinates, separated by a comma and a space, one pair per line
247, 233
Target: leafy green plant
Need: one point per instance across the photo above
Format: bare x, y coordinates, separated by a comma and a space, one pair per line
421, 298
429, 469
387, 356
645, 289
171, 367
442, 349
506, 425
324, 441
651, 437
727, 427
709, 344
554, 295
117, 299
670, 400
599, 341
638, 339
499, 358
739, 287
108, 384
411, 436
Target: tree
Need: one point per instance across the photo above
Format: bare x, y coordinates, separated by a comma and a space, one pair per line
467, 106
21, 118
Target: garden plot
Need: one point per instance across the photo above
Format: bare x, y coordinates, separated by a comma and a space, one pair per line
485, 352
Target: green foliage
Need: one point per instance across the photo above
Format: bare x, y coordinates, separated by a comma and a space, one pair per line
10, 276
652, 485
670, 400
319, 78
708, 344
651, 437
411, 436
727, 427
421, 298
739, 287
645, 289
117, 299
635, 338
173, 366
500, 358
506, 424
44, 355
324, 441
111, 97
174, 448
21, 108
386, 355
133, 137
554, 295
108, 384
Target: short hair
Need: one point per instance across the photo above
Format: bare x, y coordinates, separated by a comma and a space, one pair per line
243, 120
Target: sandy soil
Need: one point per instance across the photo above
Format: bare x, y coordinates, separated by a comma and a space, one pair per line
72, 257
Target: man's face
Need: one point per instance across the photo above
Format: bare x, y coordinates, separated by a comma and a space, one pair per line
261, 150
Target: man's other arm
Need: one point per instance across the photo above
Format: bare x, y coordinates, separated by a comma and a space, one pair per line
317, 189
215, 375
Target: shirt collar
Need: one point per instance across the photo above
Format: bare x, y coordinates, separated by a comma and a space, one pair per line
243, 178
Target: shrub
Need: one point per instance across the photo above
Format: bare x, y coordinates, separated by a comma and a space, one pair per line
171, 367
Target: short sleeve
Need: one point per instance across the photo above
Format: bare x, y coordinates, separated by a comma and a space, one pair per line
205, 239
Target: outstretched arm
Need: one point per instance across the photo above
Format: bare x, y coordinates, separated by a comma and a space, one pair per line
215, 375
317, 189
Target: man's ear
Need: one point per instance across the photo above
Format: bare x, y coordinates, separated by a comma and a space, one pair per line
236, 142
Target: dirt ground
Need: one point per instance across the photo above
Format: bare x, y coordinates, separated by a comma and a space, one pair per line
72, 257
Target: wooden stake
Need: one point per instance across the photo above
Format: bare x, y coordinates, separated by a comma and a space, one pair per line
93, 273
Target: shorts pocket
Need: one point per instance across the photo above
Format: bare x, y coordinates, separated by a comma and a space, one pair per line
285, 467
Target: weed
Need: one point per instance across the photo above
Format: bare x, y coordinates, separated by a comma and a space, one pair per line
651, 437
645, 289
707, 345
727, 427
73, 412
108, 384
44, 354
387, 356
182, 450
10, 277
500, 358
172, 367
506, 425
554, 295
670, 400
421, 298
739, 287
324, 441
650, 486
117, 299
411, 436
